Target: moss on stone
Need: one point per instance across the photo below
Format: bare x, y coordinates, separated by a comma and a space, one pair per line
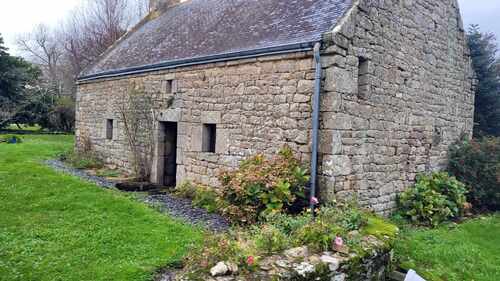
380, 228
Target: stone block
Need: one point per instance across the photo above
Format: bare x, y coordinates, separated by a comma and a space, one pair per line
337, 121
169, 115
340, 80
211, 117
337, 165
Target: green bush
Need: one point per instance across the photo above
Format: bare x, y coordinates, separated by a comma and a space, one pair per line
201, 196
270, 239
477, 164
82, 160
288, 224
263, 186
434, 199
10, 139
331, 220
185, 190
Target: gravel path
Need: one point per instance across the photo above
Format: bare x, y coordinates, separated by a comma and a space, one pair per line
62, 167
176, 207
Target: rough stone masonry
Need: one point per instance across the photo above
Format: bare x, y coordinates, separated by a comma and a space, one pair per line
397, 90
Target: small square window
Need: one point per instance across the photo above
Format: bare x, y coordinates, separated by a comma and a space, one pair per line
109, 129
169, 86
209, 137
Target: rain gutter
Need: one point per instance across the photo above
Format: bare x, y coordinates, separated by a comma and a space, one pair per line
315, 131
278, 50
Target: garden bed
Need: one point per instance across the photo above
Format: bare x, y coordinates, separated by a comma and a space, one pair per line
257, 253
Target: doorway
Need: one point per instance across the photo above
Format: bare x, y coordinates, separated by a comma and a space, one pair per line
168, 153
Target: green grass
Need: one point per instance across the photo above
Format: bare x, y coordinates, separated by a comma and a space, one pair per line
55, 227
467, 252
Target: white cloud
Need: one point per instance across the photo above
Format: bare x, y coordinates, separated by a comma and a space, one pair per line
19, 16
483, 12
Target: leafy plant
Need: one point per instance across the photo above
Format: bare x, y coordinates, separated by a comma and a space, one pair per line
270, 239
434, 199
477, 164
262, 186
288, 224
201, 196
347, 215
82, 160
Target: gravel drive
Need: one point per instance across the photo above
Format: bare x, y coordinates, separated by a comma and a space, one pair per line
176, 207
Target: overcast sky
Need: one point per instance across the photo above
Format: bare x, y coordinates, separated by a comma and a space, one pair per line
18, 16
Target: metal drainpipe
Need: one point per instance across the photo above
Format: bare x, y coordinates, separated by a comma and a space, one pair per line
315, 131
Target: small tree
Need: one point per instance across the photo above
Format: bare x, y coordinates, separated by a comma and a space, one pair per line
17, 77
138, 116
487, 67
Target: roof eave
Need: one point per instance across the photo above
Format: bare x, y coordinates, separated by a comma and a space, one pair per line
268, 51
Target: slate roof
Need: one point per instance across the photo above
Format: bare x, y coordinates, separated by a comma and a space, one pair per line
201, 28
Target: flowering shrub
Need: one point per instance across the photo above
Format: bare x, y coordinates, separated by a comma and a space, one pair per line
263, 186
477, 164
434, 199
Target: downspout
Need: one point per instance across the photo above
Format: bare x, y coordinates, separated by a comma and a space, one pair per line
315, 129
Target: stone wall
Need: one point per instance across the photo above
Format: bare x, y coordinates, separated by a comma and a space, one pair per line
258, 105
397, 93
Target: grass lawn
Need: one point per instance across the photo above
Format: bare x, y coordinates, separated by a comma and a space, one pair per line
55, 227
468, 252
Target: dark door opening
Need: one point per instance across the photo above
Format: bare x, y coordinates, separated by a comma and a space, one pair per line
168, 142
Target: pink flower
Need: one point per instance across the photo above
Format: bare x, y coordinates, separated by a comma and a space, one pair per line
339, 241
314, 201
250, 260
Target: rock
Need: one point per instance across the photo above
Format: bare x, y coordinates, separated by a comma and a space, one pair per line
220, 269
339, 277
299, 252
314, 260
372, 241
343, 249
233, 268
333, 263
353, 233
283, 264
268, 263
304, 268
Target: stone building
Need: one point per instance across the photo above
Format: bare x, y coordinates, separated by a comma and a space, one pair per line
231, 78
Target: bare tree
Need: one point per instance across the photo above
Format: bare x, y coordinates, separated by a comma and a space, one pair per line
42, 47
86, 33
137, 112
90, 30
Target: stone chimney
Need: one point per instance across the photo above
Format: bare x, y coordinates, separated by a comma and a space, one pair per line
162, 5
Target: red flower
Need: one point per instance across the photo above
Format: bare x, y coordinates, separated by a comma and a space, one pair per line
250, 260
